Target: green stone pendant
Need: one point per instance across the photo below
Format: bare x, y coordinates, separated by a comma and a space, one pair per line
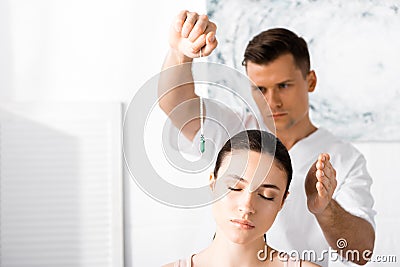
202, 144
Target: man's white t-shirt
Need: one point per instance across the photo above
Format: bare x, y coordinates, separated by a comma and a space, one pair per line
295, 228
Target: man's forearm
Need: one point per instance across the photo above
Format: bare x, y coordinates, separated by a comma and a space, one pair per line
336, 224
176, 93
176, 81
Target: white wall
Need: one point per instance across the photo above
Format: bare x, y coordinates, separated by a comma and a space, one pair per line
82, 49
89, 50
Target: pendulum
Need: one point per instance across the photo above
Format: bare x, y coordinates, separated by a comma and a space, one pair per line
202, 139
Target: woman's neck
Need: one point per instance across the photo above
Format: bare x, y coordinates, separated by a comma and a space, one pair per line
223, 252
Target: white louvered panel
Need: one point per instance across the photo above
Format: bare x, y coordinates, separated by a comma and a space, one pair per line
60, 185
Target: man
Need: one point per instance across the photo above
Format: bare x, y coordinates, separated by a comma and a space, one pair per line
336, 208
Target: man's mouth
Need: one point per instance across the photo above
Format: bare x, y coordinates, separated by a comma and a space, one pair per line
278, 114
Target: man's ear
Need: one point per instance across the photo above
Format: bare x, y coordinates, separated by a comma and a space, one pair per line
311, 81
284, 199
212, 181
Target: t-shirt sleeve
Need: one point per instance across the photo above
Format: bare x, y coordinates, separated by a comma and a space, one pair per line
221, 123
354, 194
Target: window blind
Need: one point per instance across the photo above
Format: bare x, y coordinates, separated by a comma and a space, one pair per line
61, 184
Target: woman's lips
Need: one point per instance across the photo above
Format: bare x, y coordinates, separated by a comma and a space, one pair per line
243, 224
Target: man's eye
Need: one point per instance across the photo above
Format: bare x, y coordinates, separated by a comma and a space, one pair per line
261, 89
234, 189
283, 85
267, 198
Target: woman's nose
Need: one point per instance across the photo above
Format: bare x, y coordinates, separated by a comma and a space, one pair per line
246, 204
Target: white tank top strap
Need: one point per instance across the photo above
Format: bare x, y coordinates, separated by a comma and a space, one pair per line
292, 262
177, 263
295, 263
189, 261
184, 263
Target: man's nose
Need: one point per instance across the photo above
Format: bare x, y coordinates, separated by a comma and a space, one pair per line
273, 98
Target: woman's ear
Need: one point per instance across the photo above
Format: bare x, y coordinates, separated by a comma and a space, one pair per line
212, 181
284, 199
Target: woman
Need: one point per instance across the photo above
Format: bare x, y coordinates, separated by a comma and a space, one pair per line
252, 175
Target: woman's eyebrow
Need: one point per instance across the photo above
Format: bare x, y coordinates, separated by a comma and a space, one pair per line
240, 179
237, 177
270, 186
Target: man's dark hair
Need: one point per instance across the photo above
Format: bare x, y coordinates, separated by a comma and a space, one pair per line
271, 44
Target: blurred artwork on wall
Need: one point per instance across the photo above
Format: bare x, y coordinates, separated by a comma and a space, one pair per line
354, 47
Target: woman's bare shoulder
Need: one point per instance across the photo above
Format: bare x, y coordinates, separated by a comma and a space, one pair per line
172, 264
309, 264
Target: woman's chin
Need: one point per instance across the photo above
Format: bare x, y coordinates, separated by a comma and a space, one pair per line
241, 239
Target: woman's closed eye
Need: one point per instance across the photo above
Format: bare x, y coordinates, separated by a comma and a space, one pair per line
266, 194
262, 195
234, 189
265, 197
